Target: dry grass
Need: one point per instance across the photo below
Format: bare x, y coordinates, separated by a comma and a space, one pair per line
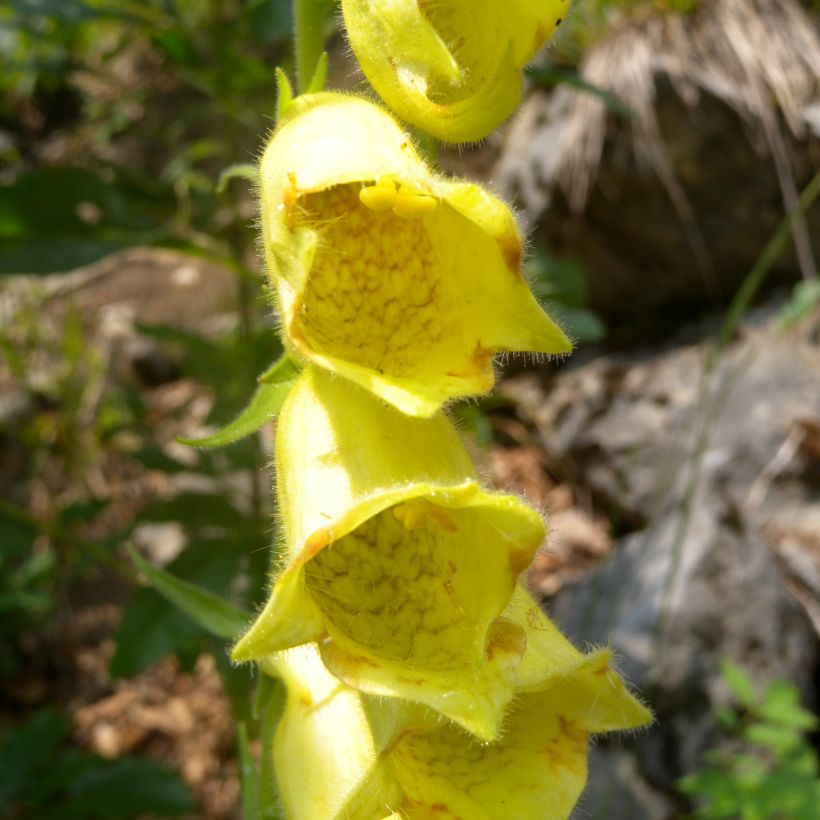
762, 57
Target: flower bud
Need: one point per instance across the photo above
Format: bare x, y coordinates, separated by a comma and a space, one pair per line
450, 67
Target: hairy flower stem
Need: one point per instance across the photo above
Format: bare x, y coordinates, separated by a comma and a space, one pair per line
308, 35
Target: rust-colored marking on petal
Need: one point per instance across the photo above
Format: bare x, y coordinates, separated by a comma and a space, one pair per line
505, 638
510, 246
519, 560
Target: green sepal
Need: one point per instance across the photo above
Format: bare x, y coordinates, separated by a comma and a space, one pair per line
284, 97
217, 616
319, 79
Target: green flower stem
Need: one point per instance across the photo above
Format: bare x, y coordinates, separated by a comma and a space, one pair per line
308, 32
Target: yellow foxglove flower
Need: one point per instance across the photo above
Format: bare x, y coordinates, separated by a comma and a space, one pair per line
398, 563
385, 273
450, 67
343, 754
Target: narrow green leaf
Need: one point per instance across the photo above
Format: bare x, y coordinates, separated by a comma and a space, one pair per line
553, 76
284, 98
284, 369
270, 703
265, 405
249, 775
319, 78
152, 626
128, 787
240, 170
581, 324
27, 750
211, 612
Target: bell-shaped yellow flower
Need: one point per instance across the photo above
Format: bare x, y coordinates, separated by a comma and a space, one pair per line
398, 563
343, 754
450, 67
385, 273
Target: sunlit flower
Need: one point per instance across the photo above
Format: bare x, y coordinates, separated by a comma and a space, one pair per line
342, 754
384, 272
398, 563
450, 67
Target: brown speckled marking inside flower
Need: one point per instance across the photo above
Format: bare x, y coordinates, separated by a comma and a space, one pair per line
372, 296
396, 585
540, 760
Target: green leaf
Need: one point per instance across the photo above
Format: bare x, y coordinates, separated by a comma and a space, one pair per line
562, 282
781, 705
128, 787
726, 717
556, 279
238, 683
230, 364
740, 683
275, 384
71, 12
581, 324
179, 47
269, 21
88, 215
17, 533
473, 419
779, 739
53, 254
552, 76
212, 613
28, 748
249, 775
153, 627
196, 511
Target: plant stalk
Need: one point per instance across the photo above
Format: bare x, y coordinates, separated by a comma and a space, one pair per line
309, 39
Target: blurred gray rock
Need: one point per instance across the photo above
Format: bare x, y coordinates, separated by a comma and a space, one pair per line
668, 194
713, 479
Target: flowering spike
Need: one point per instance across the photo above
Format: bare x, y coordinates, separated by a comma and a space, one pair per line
396, 759
394, 277
449, 67
398, 562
